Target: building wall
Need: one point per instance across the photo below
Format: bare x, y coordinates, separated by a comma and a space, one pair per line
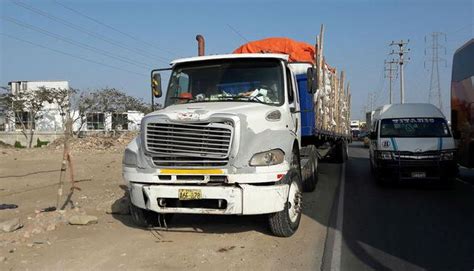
12, 137
134, 118
51, 118
50, 125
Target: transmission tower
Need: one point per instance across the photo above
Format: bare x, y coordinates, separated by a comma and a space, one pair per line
401, 60
389, 68
434, 57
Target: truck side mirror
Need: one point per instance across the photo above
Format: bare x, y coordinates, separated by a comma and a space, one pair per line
156, 85
312, 83
372, 135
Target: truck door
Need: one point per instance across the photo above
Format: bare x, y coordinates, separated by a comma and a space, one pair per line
294, 103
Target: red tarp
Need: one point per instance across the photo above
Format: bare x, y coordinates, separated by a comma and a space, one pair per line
298, 51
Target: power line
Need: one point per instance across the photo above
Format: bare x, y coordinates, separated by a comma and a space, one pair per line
435, 59
71, 55
390, 76
238, 33
84, 30
401, 61
77, 43
113, 28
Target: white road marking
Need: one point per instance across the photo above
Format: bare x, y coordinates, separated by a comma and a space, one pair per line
337, 248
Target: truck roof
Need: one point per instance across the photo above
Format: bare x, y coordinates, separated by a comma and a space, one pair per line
408, 110
229, 56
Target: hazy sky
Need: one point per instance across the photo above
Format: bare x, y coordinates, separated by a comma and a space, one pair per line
154, 32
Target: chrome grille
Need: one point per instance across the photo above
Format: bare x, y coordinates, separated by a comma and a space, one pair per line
189, 144
428, 155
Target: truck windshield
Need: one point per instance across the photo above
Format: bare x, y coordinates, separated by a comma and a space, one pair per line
414, 127
242, 80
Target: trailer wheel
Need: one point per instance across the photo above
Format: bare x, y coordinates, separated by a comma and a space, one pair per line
286, 222
341, 152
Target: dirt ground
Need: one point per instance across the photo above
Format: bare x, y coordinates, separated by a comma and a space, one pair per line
28, 178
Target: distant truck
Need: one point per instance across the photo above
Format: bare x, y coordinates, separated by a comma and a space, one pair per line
462, 103
412, 142
237, 136
355, 128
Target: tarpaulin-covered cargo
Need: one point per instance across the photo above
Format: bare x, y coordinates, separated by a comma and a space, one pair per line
297, 51
330, 105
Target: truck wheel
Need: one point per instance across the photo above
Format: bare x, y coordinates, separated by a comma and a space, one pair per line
141, 217
286, 222
311, 180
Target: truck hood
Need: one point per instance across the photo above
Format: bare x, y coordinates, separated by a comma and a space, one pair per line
251, 113
417, 144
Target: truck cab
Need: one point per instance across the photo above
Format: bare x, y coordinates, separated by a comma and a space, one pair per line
411, 142
226, 142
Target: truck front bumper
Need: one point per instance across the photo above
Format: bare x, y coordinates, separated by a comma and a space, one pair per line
237, 199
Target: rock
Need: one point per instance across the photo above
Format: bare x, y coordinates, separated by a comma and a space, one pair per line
2, 259
83, 220
51, 227
10, 225
120, 207
36, 231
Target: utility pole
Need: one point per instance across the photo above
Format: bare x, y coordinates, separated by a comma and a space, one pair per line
390, 75
370, 101
401, 52
434, 58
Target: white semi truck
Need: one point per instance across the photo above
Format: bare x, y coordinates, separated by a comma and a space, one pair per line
237, 136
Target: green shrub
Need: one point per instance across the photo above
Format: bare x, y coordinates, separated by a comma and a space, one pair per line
40, 143
18, 145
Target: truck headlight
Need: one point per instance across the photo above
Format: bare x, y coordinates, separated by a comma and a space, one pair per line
129, 158
449, 155
268, 158
385, 155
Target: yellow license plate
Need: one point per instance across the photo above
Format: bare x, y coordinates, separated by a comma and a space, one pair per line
189, 194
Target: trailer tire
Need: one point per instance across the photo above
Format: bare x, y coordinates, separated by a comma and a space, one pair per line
341, 152
286, 222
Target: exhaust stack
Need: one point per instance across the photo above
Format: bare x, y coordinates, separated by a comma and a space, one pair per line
201, 45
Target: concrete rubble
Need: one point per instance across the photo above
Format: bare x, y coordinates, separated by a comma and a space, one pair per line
83, 220
96, 142
11, 225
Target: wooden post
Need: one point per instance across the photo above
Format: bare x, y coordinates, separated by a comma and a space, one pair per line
341, 102
336, 99
348, 120
65, 164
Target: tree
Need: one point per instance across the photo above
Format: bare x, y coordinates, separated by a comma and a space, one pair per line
3, 107
25, 108
109, 100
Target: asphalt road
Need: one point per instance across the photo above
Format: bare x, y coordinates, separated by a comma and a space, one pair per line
401, 227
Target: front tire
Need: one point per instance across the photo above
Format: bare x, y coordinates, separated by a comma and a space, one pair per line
141, 217
286, 222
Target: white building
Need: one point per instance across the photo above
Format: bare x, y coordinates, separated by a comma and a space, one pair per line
51, 120
50, 124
